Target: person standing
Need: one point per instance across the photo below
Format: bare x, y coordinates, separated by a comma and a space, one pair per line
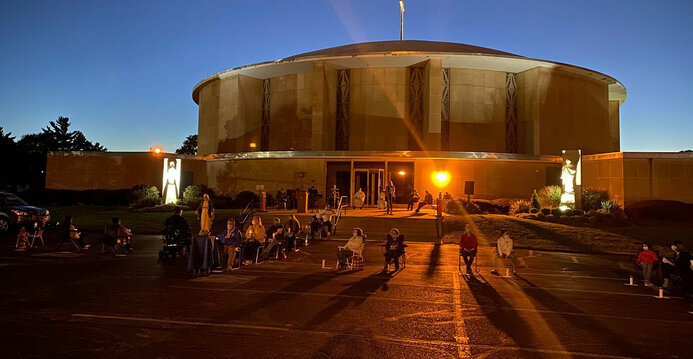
646, 259
232, 240
469, 246
504, 249
205, 213
391, 194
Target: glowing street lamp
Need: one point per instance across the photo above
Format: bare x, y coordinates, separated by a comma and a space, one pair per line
441, 178
156, 149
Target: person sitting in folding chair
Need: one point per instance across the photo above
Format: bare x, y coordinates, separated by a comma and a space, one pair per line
469, 246
73, 234
232, 240
35, 230
275, 237
354, 245
124, 235
292, 228
504, 249
255, 238
394, 248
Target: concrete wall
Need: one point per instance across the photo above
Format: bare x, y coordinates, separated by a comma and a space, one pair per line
377, 106
559, 109
492, 178
229, 177
634, 177
477, 110
111, 171
629, 177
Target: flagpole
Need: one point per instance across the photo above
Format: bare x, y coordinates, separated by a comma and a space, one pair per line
401, 20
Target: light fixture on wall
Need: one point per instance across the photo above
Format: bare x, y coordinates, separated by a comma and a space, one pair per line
441, 178
253, 145
401, 173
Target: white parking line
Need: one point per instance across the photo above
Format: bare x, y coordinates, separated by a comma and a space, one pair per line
463, 350
404, 341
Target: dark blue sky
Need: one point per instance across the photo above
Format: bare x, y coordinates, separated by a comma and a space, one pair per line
123, 71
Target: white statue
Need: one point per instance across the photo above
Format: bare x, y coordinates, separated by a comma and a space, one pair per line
171, 179
568, 180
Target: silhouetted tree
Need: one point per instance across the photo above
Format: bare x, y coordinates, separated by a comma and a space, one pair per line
8, 151
33, 148
58, 137
189, 146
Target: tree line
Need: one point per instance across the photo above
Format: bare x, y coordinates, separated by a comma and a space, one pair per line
24, 161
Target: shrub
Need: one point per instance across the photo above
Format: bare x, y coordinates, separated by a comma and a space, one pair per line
192, 195
550, 196
503, 203
144, 196
593, 198
578, 212
535, 201
533, 211
161, 208
487, 206
608, 206
519, 206
545, 211
470, 207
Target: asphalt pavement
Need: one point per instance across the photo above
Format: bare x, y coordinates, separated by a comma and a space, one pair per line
66, 304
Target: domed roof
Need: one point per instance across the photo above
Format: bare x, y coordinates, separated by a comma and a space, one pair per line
410, 46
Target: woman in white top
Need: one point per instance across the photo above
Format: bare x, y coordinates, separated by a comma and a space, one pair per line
504, 249
354, 245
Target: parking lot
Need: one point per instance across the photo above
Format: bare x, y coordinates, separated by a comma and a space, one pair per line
60, 303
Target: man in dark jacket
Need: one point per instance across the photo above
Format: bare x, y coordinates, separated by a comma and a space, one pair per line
177, 223
679, 267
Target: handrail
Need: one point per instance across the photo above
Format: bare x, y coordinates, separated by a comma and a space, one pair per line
339, 211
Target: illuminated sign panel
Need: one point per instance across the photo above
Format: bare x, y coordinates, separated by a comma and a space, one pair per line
171, 181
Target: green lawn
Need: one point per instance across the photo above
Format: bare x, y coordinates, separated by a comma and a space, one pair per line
539, 235
94, 218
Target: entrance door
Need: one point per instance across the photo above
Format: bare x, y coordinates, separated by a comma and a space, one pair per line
375, 185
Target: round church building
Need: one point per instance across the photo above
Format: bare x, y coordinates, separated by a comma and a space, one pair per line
358, 115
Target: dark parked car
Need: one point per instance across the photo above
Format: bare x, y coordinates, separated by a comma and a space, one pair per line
14, 212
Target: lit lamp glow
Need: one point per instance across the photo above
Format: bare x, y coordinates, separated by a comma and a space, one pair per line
441, 178
253, 145
401, 173
156, 149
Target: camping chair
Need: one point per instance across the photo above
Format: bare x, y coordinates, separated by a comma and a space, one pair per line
356, 262
460, 263
64, 237
38, 234
402, 258
111, 242
22, 243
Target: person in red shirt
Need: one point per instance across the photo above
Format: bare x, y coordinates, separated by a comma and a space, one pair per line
468, 247
646, 259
